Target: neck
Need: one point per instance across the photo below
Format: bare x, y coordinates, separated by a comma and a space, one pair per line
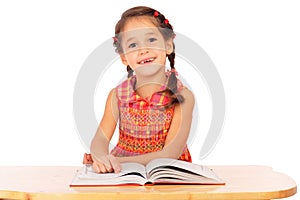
146, 85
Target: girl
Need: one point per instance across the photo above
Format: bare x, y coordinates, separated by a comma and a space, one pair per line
153, 108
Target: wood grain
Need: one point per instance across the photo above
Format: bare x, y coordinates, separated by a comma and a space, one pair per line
242, 182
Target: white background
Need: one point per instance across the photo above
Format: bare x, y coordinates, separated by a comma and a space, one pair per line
255, 46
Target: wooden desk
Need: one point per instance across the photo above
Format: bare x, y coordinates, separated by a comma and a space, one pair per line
242, 182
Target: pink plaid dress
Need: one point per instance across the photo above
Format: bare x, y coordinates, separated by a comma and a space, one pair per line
143, 124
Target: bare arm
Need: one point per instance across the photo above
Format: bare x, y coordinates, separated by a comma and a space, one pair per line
105, 131
177, 135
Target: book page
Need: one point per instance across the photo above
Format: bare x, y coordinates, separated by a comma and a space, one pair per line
89, 172
179, 176
163, 163
131, 173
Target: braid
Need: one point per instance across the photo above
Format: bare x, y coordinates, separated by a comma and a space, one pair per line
171, 58
172, 83
130, 71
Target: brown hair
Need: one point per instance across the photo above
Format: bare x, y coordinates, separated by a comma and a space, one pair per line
166, 30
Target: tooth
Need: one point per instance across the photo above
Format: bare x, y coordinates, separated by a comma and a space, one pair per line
145, 61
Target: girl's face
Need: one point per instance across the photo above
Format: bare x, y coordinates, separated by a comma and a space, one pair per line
143, 45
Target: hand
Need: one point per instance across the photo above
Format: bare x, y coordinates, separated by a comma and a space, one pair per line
87, 159
106, 163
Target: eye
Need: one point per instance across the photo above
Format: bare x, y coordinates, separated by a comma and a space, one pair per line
132, 45
152, 39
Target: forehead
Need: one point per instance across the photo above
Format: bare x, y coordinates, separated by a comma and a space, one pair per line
140, 22
138, 27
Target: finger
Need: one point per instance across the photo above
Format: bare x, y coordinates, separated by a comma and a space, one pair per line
115, 164
109, 168
105, 165
99, 167
102, 168
96, 167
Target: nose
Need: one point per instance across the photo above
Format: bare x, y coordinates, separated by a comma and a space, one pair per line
143, 51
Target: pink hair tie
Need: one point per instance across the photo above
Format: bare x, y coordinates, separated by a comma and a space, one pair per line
115, 39
172, 71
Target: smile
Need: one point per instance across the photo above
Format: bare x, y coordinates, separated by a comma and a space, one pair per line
147, 60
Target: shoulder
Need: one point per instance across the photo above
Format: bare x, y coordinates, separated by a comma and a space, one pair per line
112, 97
112, 92
187, 106
184, 110
188, 96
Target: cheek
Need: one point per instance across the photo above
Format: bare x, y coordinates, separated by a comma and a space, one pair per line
161, 60
131, 57
162, 54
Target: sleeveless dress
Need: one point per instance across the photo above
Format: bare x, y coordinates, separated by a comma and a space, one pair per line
143, 122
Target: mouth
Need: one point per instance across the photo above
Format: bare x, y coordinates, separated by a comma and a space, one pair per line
146, 61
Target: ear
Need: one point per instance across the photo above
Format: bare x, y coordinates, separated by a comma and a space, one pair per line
124, 60
169, 46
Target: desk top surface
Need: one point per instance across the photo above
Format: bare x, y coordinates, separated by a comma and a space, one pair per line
242, 182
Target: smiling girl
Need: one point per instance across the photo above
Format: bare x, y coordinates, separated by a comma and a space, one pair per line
152, 107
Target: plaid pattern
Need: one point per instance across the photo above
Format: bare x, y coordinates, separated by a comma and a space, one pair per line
143, 122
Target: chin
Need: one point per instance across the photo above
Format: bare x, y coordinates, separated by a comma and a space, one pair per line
149, 69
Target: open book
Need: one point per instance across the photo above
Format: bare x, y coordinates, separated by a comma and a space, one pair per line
158, 171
